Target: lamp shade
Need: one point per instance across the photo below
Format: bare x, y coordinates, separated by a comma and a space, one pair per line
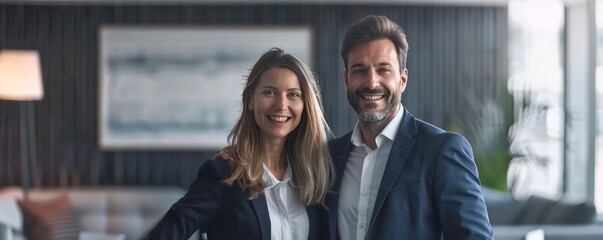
20, 75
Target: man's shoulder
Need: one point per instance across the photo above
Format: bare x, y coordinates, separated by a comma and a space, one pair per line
425, 126
340, 142
426, 129
431, 138
415, 127
344, 137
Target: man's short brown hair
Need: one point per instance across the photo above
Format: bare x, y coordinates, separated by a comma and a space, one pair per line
372, 28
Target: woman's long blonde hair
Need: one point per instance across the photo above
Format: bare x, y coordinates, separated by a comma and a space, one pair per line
306, 146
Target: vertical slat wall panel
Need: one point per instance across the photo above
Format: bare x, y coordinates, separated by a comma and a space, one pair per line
454, 52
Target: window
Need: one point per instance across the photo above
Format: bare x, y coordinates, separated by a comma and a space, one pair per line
536, 82
599, 108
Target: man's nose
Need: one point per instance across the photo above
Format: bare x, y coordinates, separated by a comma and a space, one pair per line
372, 79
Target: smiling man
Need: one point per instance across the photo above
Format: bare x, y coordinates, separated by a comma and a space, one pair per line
397, 177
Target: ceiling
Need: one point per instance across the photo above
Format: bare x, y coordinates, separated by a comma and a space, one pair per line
243, 2
410, 2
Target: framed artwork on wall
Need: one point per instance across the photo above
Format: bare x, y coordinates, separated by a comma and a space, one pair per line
180, 88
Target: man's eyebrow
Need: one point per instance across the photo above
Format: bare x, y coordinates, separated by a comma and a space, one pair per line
357, 65
388, 64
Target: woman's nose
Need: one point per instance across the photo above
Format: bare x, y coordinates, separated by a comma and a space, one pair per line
281, 102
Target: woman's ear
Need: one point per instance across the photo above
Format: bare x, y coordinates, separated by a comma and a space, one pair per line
250, 105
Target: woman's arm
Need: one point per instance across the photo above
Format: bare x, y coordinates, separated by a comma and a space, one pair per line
197, 208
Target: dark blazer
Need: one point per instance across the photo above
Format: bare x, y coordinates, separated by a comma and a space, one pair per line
224, 212
430, 188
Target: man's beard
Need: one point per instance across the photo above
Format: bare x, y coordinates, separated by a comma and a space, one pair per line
372, 117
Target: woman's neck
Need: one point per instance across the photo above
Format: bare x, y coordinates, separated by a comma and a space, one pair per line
276, 158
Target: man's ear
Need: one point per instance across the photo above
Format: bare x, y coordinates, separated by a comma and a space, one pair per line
345, 77
403, 79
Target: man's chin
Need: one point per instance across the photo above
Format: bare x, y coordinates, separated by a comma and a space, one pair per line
371, 117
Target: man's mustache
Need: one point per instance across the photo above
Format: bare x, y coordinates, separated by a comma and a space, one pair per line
366, 90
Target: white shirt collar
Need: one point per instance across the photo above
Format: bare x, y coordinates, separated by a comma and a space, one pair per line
271, 181
389, 131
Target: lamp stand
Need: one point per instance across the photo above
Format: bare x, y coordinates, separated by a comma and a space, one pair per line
27, 144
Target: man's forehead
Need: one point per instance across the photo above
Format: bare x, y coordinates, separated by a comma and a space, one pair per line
376, 52
373, 60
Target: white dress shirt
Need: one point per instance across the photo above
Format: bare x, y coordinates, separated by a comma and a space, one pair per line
288, 217
361, 180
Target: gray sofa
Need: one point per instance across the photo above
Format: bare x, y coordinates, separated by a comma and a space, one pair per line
512, 219
102, 212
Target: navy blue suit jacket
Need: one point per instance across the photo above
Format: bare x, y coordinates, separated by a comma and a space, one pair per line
224, 212
430, 188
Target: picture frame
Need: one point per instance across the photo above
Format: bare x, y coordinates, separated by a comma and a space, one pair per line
177, 88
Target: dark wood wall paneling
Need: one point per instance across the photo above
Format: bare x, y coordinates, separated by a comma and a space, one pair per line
455, 52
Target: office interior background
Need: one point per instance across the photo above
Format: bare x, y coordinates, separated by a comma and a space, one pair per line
522, 80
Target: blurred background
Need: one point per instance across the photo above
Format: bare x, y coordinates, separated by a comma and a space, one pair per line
522, 80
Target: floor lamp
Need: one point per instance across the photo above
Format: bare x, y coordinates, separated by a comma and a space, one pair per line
21, 80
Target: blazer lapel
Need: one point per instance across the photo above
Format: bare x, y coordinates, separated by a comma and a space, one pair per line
261, 211
397, 157
316, 224
340, 151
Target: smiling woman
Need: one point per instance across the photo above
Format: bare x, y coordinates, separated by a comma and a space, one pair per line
277, 104
280, 171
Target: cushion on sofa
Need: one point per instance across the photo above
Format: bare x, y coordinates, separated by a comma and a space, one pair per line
571, 213
11, 215
51, 219
129, 211
502, 208
539, 210
535, 210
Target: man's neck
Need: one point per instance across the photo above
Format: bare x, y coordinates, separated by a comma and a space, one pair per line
370, 130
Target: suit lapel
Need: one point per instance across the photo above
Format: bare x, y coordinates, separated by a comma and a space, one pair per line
261, 211
314, 232
397, 157
340, 152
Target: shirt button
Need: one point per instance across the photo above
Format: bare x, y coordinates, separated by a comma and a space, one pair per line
364, 192
362, 225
